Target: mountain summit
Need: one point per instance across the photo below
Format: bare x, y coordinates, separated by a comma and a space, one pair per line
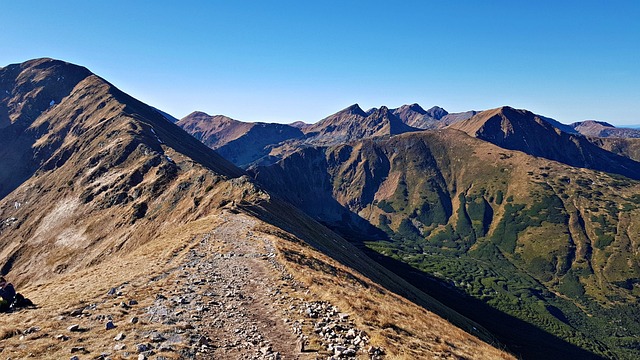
74, 146
523, 130
243, 143
353, 123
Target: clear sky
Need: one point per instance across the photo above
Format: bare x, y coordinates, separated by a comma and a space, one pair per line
284, 61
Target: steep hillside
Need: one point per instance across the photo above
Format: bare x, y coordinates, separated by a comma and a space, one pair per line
602, 129
522, 130
213, 131
239, 142
548, 244
120, 218
74, 156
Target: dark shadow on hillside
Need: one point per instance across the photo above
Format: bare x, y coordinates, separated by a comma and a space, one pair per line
522, 339
15, 160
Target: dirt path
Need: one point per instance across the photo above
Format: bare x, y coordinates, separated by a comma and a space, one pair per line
227, 292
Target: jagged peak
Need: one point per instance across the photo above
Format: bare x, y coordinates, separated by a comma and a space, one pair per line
416, 107
382, 112
411, 107
354, 109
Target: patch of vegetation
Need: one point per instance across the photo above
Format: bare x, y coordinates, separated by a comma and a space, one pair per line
480, 213
406, 231
463, 225
499, 197
570, 285
385, 206
517, 218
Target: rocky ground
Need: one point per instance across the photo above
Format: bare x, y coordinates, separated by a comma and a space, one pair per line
228, 298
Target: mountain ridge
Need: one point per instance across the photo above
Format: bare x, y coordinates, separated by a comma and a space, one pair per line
525, 131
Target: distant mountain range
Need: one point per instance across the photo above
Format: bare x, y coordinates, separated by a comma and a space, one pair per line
512, 226
573, 144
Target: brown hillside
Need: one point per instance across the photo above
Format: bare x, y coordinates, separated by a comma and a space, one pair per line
626, 147
602, 129
213, 131
524, 131
239, 142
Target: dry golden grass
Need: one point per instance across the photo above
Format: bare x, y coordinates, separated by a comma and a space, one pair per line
59, 295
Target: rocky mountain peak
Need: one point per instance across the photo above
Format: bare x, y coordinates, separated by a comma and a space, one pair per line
30, 88
354, 109
198, 114
414, 107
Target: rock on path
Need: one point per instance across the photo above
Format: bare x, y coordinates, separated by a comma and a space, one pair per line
223, 301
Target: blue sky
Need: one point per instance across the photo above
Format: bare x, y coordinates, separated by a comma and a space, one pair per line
284, 61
